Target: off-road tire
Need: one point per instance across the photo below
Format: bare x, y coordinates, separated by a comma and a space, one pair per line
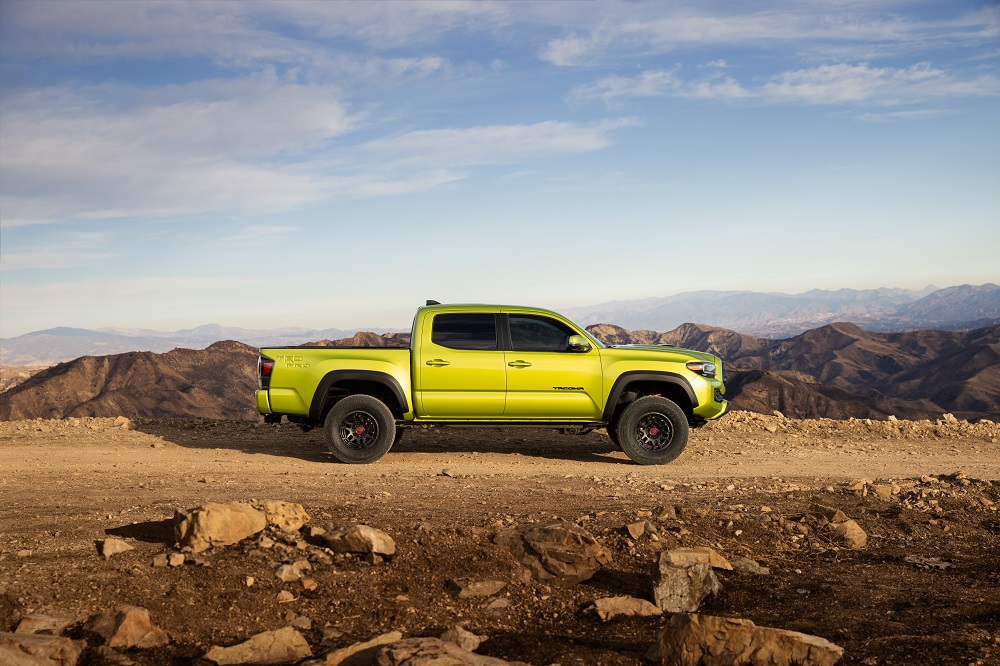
359, 429
612, 430
652, 430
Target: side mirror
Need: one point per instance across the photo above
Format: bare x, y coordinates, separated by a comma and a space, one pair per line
578, 343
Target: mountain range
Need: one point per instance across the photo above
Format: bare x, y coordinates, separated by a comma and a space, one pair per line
765, 315
835, 371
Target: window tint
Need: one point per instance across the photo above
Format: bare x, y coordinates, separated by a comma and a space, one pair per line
536, 333
465, 331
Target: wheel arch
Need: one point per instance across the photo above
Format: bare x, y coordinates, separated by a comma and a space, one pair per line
670, 385
339, 383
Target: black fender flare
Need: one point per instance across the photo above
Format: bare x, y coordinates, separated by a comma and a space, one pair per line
633, 376
336, 376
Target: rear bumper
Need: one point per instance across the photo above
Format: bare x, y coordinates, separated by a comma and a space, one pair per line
262, 402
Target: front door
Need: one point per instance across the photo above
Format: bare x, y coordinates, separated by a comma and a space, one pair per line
544, 380
462, 371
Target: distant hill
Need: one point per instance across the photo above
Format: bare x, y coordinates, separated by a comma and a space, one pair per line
842, 370
217, 382
776, 315
835, 371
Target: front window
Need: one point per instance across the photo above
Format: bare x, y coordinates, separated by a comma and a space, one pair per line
538, 333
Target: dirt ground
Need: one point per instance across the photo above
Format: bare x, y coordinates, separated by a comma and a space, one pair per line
925, 589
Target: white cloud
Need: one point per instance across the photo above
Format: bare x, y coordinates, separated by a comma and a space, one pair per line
657, 28
209, 146
825, 84
495, 144
63, 250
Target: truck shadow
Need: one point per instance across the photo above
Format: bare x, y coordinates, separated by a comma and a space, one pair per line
288, 440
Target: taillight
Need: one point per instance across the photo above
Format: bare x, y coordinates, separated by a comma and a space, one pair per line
264, 368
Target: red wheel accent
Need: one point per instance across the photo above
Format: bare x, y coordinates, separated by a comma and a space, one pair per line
360, 430
653, 432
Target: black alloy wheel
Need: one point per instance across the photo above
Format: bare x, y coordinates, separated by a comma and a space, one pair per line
359, 429
653, 430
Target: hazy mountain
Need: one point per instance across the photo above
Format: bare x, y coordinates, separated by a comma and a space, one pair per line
777, 315
56, 345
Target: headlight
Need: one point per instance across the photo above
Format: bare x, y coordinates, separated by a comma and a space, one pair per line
703, 368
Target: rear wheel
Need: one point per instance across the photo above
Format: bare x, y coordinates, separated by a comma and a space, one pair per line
652, 431
359, 429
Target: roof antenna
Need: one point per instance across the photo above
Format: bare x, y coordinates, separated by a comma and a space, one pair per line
430, 302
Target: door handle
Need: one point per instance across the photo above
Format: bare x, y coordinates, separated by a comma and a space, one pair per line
519, 364
437, 362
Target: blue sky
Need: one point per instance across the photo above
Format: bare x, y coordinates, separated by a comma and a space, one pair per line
265, 164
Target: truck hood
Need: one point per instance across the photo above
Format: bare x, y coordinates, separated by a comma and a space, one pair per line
668, 349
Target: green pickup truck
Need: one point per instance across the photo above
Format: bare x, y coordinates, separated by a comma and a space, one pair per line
493, 365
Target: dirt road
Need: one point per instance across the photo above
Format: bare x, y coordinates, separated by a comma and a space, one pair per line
744, 486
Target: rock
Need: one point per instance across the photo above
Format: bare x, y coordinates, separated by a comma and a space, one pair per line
40, 623
359, 654
560, 552
359, 539
461, 637
288, 516
949, 418
32, 649
283, 646
108, 547
636, 530
434, 652
176, 559
667, 512
883, 491
213, 525
682, 557
127, 626
681, 589
161, 560
746, 565
463, 588
498, 604
287, 573
850, 534
701, 640
828, 512
610, 607
285, 597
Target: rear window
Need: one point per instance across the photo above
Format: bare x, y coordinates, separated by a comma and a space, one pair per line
465, 331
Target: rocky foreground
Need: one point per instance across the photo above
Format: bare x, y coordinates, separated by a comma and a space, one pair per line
771, 540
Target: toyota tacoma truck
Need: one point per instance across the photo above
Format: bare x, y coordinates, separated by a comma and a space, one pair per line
491, 365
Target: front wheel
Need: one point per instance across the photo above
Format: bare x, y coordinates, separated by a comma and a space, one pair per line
652, 430
359, 429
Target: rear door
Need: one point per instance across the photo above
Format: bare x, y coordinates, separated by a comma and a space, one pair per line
462, 370
544, 380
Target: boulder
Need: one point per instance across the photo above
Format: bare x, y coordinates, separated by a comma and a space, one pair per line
127, 626
462, 637
610, 607
283, 646
108, 547
39, 650
359, 539
434, 652
680, 589
850, 534
40, 623
682, 557
288, 516
560, 553
464, 588
359, 654
704, 640
212, 525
